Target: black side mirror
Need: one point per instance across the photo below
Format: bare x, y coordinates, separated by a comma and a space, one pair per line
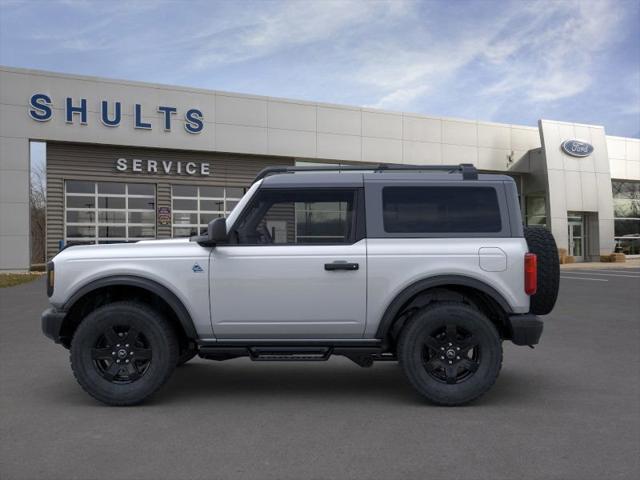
217, 231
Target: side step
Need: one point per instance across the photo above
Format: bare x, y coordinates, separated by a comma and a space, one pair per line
363, 355
289, 354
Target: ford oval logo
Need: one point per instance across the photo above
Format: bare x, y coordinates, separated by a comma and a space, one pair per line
576, 148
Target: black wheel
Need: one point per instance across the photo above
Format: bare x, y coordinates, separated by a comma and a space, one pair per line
541, 242
123, 352
450, 352
186, 354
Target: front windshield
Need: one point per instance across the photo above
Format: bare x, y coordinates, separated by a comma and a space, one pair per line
233, 216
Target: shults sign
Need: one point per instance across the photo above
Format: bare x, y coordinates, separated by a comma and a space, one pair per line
41, 109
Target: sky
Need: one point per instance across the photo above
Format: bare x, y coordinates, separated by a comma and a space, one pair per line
502, 61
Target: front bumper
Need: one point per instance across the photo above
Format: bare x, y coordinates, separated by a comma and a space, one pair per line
52, 324
526, 329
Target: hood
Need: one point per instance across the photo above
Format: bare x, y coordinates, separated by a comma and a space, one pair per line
173, 247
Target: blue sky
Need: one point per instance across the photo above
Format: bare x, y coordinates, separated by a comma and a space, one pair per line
511, 62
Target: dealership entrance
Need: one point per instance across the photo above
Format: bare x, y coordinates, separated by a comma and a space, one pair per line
577, 237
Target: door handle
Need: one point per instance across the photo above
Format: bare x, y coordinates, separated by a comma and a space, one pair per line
341, 265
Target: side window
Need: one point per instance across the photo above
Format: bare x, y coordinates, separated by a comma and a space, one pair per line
435, 209
296, 217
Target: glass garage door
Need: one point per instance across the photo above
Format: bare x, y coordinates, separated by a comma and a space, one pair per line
109, 212
194, 207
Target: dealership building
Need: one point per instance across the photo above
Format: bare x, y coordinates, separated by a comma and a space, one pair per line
127, 160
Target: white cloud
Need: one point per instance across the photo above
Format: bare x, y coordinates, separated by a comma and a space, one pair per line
257, 34
539, 51
404, 75
549, 59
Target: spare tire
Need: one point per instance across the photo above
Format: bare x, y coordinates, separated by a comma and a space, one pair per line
542, 243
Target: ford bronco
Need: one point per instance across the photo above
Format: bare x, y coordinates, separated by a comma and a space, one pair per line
427, 266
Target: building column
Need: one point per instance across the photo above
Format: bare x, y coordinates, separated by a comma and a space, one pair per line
15, 238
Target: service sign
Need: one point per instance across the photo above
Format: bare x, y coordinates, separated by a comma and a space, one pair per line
577, 148
165, 167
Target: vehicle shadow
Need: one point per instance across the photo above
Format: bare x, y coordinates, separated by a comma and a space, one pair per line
235, 380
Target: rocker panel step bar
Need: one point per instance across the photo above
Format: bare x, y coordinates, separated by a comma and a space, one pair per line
289, 354
363, 355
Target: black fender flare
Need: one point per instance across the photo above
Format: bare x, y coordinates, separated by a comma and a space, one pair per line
438, 281
134, 281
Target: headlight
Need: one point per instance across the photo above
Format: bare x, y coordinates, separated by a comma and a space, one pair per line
51, 278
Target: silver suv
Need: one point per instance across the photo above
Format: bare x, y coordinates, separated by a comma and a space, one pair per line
430, 267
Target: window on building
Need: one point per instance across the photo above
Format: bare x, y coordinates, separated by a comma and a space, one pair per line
195, 206
535, 210
298, 217
109, 212
626, 212
440, 210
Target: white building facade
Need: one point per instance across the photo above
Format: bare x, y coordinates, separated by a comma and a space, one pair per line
129, 160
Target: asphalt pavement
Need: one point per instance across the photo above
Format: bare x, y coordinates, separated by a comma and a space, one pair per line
569, 409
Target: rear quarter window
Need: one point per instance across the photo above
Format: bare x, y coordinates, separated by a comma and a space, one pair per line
436, 209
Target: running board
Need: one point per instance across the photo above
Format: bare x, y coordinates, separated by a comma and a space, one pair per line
363, 355
289, 354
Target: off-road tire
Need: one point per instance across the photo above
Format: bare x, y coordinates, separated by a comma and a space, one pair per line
541, 242
468, 320
154, 338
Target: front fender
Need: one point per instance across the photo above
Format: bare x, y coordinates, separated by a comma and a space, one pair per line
156, 288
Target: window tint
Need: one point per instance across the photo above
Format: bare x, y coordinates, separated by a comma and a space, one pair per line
81, 202
110, 187
141, 189
298, 217
111, 202
141, 203
440, 210
77, 186
212, 192
185, 191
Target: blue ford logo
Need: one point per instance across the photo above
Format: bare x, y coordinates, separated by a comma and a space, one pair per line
576, 148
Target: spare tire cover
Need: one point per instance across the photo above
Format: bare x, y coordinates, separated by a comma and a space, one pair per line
542, 243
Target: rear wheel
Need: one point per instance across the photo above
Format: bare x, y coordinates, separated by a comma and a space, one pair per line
123, 352
450, 352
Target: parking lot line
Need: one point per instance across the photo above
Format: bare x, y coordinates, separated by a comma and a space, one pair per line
626, 271
602, 274
585, 278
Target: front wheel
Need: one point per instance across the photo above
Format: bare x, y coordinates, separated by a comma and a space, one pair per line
450, 352
123, 352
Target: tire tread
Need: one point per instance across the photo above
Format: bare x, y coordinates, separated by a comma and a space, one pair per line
541, 242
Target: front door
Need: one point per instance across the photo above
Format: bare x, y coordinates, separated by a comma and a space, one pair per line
576, 236
295, 267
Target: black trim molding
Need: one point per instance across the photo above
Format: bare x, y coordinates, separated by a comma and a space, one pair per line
439, 281
130, 280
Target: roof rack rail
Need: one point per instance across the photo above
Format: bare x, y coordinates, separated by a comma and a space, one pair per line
469, 171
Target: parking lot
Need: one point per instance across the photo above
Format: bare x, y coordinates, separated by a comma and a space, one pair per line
570, 409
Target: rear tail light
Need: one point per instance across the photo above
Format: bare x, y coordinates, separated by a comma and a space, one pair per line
530, 273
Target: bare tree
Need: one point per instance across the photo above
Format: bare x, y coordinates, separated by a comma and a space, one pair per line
37, 207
